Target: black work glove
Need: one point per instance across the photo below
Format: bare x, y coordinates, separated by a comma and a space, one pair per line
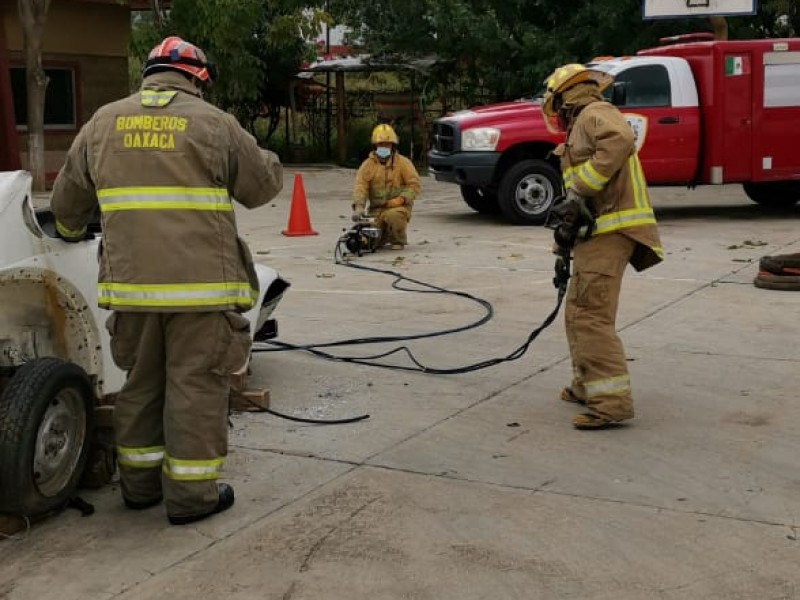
577, 219
575, 210
565, 236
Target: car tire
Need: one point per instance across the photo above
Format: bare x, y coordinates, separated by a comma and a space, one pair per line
780, 264
770, 281
528, 191
46, 425
778, 196
480, 199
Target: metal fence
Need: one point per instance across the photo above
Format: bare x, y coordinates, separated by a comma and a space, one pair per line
411, 115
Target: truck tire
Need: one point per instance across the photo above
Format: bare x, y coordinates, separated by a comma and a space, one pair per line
773, 195
480, 199
527, 192
46, 421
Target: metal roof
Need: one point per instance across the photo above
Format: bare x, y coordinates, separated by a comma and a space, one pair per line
366, 63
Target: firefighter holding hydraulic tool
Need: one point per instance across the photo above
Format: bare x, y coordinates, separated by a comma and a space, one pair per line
607, 222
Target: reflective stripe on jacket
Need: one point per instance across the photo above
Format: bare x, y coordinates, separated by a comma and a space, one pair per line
163, 198
164, 166
378, 183
599, 161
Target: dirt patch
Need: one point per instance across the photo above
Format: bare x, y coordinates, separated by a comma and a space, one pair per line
749, 419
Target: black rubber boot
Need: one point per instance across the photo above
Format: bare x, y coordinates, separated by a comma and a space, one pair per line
226, 499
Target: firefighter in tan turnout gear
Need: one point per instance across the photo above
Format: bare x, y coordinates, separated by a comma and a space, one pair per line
389, 182
164, 167
607, 223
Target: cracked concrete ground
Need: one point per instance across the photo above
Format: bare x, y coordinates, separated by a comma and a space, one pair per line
475, 486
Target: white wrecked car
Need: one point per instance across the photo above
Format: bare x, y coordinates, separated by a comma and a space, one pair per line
55, 363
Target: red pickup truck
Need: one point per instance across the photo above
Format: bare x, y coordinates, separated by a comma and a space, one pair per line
704, 112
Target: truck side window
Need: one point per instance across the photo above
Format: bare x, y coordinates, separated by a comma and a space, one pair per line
646, 86
781, 79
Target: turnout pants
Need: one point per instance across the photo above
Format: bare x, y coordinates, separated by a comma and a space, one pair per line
393, 223
600, 372
170, 418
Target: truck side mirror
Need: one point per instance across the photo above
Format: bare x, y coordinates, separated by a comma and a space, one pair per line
619, 93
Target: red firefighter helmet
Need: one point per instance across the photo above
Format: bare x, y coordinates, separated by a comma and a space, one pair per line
178, 54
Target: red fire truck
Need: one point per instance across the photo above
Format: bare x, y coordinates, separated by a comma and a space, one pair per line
704, 112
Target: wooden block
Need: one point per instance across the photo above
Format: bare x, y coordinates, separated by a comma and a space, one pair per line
10, 525
100, 467
239, 378
249, 400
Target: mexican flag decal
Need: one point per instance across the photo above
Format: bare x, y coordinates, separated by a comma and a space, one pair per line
734, 65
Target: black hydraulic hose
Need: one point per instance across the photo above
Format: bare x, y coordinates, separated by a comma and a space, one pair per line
263, 409
561, 280
431, 289
316, 421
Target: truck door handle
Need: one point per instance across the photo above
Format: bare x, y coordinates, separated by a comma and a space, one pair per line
669, 120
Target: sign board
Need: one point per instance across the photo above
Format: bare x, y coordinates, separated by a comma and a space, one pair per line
676, 9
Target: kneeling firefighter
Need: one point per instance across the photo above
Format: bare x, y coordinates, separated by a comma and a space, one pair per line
607, 223
389, 182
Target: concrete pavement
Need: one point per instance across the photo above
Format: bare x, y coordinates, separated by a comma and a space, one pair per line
476, 486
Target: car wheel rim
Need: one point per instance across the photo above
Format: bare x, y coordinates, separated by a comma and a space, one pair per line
534, 194
59, 442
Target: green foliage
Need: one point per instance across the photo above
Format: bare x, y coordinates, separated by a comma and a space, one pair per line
776, 18
507, 47
225, 31
256, 45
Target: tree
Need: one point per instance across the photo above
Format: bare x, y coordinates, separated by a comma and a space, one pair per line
505, 48
33, 17
256, 45
775, 18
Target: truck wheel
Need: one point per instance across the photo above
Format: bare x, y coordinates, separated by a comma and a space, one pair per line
773, 195
480, 199
527, 192
46, 419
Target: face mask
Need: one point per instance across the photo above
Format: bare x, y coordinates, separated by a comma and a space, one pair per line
383, 152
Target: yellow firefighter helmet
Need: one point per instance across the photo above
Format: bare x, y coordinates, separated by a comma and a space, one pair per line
384, 133
568, 76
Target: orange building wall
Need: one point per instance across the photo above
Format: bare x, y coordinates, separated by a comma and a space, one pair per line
92, 38
75, 27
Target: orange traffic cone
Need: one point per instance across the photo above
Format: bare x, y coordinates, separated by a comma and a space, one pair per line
299, 221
